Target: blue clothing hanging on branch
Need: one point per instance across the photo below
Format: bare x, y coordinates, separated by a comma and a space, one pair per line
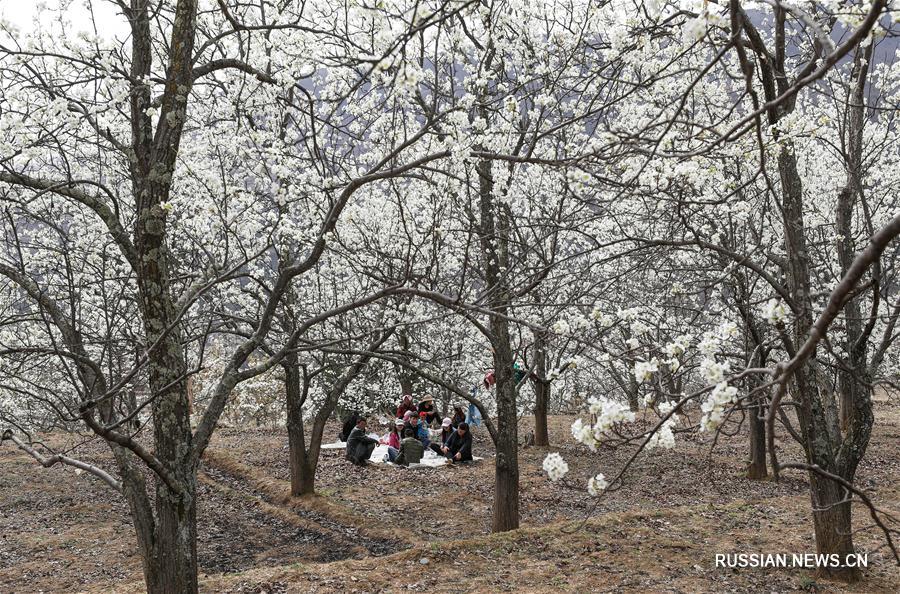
473, 417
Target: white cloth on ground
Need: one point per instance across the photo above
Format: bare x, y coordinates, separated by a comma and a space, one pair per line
429, 459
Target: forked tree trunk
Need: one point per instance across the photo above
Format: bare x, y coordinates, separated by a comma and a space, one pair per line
302, 475
304, 460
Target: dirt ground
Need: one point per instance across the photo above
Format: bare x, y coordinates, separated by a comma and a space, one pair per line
389, 529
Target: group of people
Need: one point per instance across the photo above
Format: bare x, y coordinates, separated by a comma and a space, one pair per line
409, 435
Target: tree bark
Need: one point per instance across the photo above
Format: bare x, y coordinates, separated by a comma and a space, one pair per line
757, 468
506, 470
832, 523
541, 391
302, 475
494, 235
541, 402
852, 378
821, 440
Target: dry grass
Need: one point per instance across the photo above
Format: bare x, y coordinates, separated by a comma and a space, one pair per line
370, 528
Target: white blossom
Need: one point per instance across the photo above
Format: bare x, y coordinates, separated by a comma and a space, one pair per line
775, 312
596, 485
555, 467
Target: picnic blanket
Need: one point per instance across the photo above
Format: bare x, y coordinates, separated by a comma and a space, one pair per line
429, 459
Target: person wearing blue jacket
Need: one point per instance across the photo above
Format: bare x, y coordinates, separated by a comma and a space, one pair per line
422, 431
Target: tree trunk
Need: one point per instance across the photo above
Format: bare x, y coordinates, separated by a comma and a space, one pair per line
634, 390
302, 476
541, 401
541, 391
833, 529
506, 470
757, 468
175, 563
856, 334
821, 435
495, 254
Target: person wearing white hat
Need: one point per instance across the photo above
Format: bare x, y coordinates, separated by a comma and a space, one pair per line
446, 432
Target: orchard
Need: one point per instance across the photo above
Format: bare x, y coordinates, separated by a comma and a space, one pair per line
449, 295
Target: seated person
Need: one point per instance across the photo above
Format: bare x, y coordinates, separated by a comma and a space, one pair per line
427, 407
349, 424
422, 431
359, 445
393, 441
458, 417
411, 450
411, 421
458, 447
405, 405
446, 432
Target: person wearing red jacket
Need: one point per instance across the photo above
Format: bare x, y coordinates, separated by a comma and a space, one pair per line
405, 405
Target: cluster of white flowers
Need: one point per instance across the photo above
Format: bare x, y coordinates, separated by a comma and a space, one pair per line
714, 407
695, 29
644, 370
678, 346
709, 344
665, 436
605, 320
560, 327
728, 330
775, 311
555, 466
639, 328
580, 322
713, 371
608, 413
596, 485
629, 314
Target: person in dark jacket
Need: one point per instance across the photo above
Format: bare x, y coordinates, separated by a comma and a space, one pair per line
459, 446
427, 407
411, 449
359, 445
349, 424
412, 423
458, 417
446, 432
